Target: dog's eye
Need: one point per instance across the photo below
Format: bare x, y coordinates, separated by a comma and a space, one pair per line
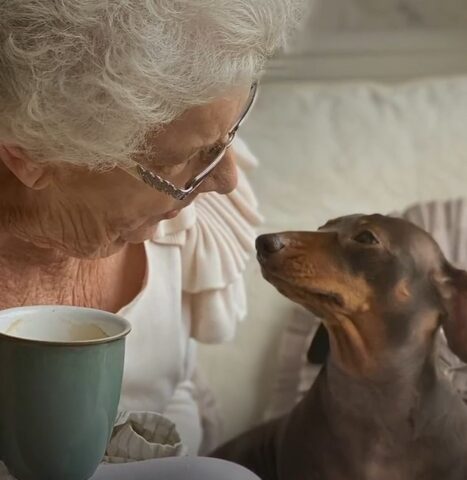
366, 237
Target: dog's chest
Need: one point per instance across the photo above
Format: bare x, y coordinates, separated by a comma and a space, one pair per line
377, 441
385, 462
386, 459
369, 454
377, 463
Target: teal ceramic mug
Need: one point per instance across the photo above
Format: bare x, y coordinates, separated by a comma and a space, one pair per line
60, 379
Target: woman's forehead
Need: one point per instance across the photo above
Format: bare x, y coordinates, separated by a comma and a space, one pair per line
201, 126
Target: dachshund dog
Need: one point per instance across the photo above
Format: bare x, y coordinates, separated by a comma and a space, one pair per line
379, 409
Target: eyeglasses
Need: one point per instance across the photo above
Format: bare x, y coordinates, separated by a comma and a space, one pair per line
163, 185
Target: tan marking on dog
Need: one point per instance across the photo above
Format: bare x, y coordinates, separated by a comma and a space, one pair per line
402, 290
428, 325
355, 291
353, 350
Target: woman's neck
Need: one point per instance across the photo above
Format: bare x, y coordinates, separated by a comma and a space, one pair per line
33, 275
54, 221
19, 253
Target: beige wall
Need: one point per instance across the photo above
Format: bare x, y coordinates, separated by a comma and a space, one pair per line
383, 40
352, 15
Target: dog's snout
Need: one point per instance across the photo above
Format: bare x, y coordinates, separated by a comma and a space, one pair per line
269, 244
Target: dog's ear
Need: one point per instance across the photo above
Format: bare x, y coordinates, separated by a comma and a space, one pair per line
454, 321
319, 348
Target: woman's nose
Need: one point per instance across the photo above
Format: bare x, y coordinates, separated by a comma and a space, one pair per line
223, 178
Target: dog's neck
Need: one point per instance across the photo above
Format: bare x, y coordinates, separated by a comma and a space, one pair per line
362, 377
350, 349
394, 388
380, 424
361, 347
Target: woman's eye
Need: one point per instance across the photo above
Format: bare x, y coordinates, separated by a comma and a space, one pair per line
211, 154
366, 238
164, 169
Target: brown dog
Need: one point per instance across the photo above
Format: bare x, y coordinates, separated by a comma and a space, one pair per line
379, 410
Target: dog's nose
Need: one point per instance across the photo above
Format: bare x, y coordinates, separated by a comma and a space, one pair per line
269, 244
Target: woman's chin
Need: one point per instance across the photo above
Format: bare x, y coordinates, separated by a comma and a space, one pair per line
139, 235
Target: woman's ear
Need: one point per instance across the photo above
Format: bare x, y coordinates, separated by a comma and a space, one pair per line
28, 172
454, 321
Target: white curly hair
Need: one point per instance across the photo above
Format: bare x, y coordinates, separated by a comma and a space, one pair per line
84, 81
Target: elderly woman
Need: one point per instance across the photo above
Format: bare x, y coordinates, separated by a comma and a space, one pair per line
119, 184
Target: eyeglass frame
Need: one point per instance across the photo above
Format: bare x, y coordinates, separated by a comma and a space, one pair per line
155, 181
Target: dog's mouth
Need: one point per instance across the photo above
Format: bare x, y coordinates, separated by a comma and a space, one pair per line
292, 290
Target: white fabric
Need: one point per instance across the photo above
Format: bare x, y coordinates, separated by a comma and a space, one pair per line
142, 436
328, 150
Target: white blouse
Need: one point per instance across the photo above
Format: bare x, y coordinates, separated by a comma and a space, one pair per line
193, 292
